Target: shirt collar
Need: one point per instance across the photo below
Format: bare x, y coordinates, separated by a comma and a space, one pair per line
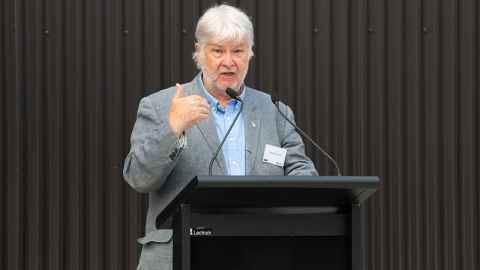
213, 102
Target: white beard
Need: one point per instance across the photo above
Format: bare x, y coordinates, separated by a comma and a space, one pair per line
211, 80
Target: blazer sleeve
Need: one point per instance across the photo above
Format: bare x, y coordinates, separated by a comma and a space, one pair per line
296, 161
154, 150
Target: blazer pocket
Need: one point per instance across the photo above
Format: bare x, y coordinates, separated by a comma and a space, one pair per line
270, 169
157, 236
157, 249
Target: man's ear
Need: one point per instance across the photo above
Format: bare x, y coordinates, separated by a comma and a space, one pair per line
196, 55
197, 47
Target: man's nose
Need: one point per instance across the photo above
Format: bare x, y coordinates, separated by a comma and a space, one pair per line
228, 60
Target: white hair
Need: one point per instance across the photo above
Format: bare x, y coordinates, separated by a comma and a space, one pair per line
223, 22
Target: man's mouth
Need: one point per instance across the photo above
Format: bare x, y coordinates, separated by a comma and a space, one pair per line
227, 74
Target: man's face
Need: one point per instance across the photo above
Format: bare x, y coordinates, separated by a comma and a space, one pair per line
224, 64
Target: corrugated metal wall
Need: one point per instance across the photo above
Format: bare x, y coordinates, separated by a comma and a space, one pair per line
391, 87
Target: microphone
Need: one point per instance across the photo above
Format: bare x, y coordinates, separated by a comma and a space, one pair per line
305, 135
232, 94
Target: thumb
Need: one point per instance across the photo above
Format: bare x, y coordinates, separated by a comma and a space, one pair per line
179, 91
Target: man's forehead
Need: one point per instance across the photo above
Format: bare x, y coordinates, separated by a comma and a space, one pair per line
227, 42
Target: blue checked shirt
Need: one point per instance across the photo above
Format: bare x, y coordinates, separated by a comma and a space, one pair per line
234, 147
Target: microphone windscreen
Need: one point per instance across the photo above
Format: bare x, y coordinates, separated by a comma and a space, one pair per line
231, 93
274, 99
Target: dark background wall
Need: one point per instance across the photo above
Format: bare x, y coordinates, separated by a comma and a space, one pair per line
391, 87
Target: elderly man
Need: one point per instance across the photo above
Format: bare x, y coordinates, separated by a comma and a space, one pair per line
178, 129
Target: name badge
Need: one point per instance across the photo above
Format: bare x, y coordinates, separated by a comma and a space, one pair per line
274, 155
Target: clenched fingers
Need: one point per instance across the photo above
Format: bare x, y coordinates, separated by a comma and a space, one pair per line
196, 101
186, 111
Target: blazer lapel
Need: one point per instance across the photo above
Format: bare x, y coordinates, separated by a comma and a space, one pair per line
209, 133
252, 124
208, 130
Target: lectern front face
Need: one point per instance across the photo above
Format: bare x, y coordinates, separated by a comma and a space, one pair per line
280, 252
246, 226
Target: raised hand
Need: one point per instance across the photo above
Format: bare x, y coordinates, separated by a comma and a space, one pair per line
186, 111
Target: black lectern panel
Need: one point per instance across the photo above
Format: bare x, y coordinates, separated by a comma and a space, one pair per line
353, 188
278, 253
268, 222
266, 197
269, 191
263, 223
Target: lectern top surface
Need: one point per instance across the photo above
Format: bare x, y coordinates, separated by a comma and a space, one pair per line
349, 182
266, 191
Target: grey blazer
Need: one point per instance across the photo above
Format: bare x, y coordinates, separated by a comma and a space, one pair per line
155, 157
